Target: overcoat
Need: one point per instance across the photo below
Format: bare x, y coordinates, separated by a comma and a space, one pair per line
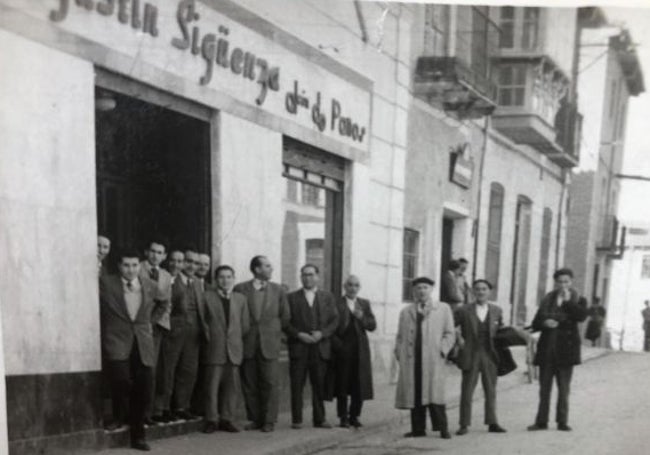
438, 337
366, 323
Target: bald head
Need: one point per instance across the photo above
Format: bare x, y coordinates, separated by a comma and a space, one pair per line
352, 285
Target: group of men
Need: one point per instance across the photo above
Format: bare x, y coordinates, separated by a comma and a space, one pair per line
168, 335
429, 330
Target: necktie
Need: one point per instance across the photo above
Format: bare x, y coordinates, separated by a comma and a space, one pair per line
154, 274
129, 285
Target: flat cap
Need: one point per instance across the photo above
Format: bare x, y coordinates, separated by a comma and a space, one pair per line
423, 279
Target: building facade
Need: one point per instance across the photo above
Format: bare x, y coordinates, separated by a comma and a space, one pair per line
493, 130
608, 67
242, 128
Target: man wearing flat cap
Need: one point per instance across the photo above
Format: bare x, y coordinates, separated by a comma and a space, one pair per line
424, 338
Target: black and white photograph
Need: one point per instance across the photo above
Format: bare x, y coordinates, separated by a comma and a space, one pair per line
313, 227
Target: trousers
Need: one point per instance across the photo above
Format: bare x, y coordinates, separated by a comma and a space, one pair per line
484, 366
562, 376
299, 369
221, 391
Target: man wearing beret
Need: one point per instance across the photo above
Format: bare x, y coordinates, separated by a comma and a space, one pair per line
424, 338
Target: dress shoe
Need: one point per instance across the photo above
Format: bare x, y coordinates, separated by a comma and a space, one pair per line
355, 423
182, 414
537, 427
344, 423
251, 426
563, 427
227, 426
412, 434
160, 419
461, 431
148, 421
324, 425
209, 427
444, 434
296, 426
268, 428
140, 444
496, 428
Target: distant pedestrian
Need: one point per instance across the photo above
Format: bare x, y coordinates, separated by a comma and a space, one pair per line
103, 250
478, 323
449, 291
351, 358
425, 335
597, 315
464, 288
558, 348
646, 326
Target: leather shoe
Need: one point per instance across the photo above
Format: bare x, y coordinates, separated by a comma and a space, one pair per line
563, 427
114, 426
496, 428
182, 414
344, 423
537, 427
160, 418
209, 427
461, 431
148, 421
444, 434
324, 425
355, 423
412, 434
227, 426
140, 444
296, 426
251, 426
268, 428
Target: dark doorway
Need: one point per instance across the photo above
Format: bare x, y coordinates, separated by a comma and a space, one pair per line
153, 173
447, 245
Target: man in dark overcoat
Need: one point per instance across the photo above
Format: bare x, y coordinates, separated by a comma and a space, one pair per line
352, 366
558, 348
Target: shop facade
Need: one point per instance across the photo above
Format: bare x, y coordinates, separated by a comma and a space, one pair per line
232, 127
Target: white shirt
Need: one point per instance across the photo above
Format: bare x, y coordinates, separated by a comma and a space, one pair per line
258, 284
132, 297
184, 278
482, 311
351, 303
310, 295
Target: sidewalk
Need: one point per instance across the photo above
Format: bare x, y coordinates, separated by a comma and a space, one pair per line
378, 415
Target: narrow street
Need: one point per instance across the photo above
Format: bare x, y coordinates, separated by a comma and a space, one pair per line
609, 414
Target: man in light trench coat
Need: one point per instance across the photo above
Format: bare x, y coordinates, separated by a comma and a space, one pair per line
424, 338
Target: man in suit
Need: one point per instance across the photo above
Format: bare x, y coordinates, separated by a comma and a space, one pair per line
352, 354
128, 304
269, 315
449, 292
558, 348
228, 322
478, 323
314, 319
150, 268
463, 287
202, 271
181, 346
175, 263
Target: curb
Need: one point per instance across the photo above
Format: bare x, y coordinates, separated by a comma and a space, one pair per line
320, 444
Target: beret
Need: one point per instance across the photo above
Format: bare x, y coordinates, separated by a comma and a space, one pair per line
423, 279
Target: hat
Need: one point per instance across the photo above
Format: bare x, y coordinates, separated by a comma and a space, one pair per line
423, 279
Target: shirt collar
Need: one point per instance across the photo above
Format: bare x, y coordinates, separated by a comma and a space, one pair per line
310, 291
224, 294
134, 282
259, 284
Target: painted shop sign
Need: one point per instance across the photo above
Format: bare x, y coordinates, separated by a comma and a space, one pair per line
196, 42
461, 165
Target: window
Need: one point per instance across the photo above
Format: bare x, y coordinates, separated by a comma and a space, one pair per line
530, 29
436, 33
544, 253
645, 267
410, 262
493, 253
512, 85
507, 25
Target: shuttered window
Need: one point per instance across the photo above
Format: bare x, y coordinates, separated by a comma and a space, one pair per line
545, 253
493, 252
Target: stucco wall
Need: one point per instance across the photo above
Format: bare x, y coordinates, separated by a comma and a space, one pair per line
48, 265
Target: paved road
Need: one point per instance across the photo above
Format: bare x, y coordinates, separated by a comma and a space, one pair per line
609, 413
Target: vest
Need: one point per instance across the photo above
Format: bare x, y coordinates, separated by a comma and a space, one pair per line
484, 333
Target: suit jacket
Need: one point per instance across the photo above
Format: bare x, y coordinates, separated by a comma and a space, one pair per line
179, 306
226, 340
468, 322
118, 331
326, 320
272, 320
367, 323
560, 345
449, 291
164, 291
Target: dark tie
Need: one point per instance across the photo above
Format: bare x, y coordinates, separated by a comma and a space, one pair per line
129, 285
154, 274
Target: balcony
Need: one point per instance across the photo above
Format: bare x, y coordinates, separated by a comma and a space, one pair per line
456, 74
568, 124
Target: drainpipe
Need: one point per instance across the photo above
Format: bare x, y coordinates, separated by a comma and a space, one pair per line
477, 223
